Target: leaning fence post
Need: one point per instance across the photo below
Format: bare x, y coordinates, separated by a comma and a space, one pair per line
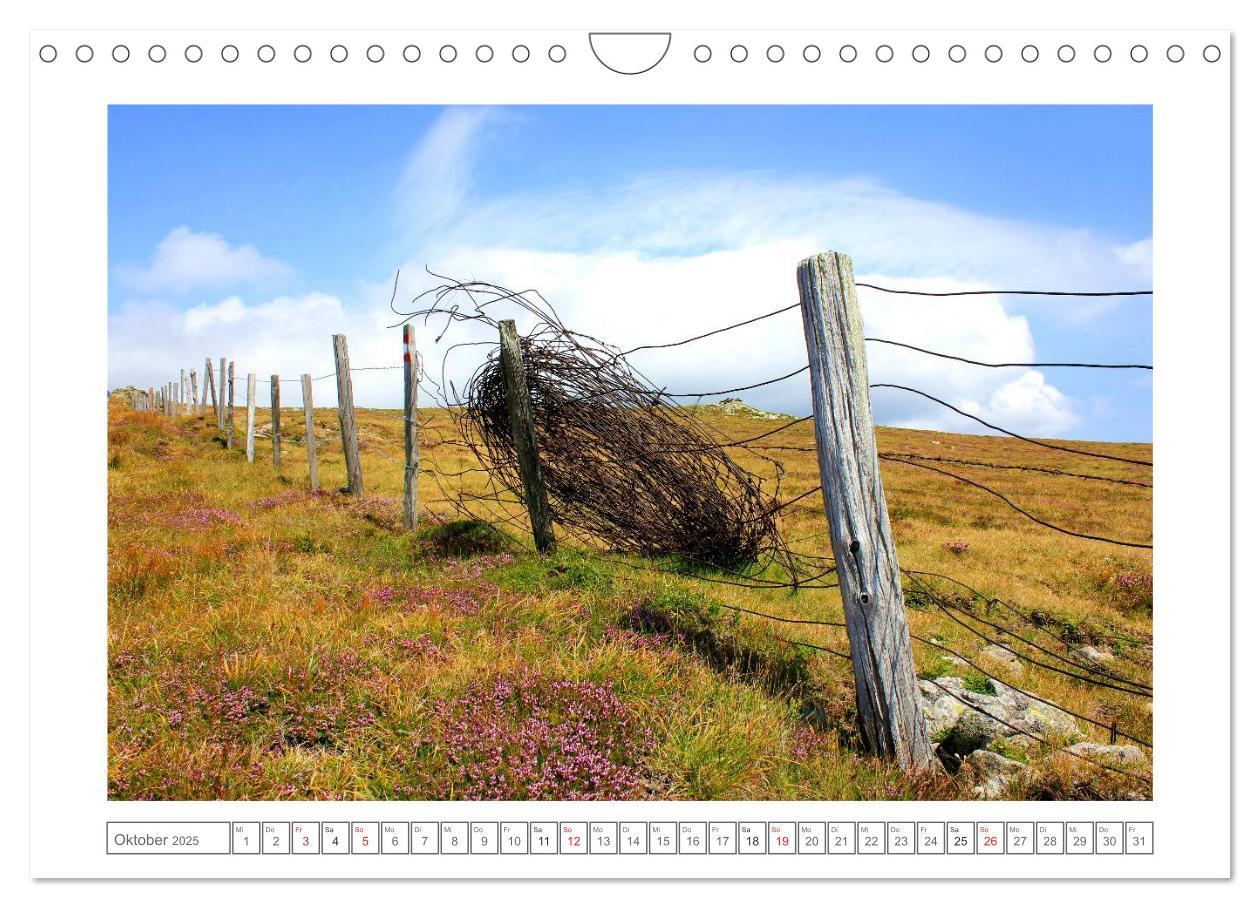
411, 443
229, 406
208, 391
275, 420
249, 417
312, 456
221, 415
345, 415
890, 709
524, 437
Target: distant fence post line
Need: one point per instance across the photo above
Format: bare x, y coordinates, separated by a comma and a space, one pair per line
249, 417
312, 458
890, 710
411, 428
524, 437
229, 408
345, 414
275, 420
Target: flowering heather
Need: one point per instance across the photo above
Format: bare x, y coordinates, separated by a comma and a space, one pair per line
1135, 582
1136, 590
418, 646
428, 598
527, 736
473, 568
200, 518
807, 742
275, 501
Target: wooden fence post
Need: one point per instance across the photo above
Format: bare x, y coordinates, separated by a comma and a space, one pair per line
229, 406
152, 400
411, 429
345, 415
223, 392
208, 391
192, 397
275, 420
890, 709
524, 437
249, 417
312, 457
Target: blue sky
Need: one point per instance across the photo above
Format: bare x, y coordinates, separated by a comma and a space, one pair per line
255, 232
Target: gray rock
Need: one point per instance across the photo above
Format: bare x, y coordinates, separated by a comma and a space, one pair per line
1093, 654
993, 772
1010, 713
1004, 657
1110, 754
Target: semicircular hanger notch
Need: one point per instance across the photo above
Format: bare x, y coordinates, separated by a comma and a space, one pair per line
629, 53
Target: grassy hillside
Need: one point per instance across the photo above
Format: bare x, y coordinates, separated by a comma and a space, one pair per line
269, 643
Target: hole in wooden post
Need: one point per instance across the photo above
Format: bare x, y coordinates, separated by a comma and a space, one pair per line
853, 546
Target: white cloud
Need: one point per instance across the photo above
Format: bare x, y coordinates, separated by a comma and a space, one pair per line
150, 342
186, 260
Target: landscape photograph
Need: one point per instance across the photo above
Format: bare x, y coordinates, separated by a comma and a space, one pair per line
651, 453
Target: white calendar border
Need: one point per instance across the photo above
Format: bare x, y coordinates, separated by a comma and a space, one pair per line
1192, 274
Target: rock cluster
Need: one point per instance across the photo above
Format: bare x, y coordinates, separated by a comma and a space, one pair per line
966, 723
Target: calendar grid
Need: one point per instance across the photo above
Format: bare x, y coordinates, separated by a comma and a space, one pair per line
630, 838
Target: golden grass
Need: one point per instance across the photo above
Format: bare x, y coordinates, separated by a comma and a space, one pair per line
266, 643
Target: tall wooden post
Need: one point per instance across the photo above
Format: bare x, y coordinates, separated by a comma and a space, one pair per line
312, 457
193, 405
275, 421
208, 391
224, 396
152, 400
249, 417
890, 710
183, 381
524, 437
229, 406
345, 415
411, 433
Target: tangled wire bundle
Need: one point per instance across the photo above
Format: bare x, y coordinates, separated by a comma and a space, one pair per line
622, 463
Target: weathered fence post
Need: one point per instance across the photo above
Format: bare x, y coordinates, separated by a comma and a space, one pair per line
249, 417
524, 437
345, 415
152, 400
411, 433
890, 709
229, 406
312, 458
208, 390
275, 421
223, 392
192, 397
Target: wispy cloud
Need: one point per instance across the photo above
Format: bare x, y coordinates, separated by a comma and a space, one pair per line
434, 186
186, 260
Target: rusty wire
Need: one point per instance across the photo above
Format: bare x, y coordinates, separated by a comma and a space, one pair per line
622, 463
